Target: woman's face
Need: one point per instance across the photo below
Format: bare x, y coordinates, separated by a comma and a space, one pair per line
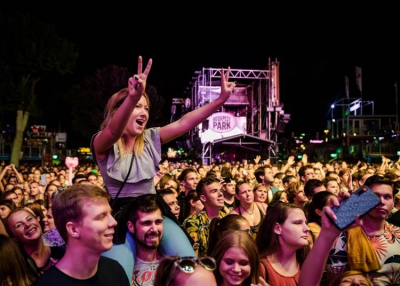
50, 191
138, 119
284, 197
245, 194
20, 196
4, 211
345, 178
278, 183
260, 195
26, 196
24, 226
44, 210
235, 266
49, 221
293, 233
333, 187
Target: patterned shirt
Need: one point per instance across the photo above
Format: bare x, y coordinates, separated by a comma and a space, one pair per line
198, 227
387, 248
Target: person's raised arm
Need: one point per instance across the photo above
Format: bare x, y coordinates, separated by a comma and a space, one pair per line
195, 117
115, 128
311, 272
289, 163
2, 174
17, 174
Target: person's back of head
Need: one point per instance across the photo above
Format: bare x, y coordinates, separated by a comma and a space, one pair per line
279, 175
310, 186
226, 172
317, 204
79, 177
292, 190
259, 173
219, 225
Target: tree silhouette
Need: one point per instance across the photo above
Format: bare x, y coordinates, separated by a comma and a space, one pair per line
30, 50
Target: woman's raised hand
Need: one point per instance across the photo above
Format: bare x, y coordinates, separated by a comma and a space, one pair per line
137, 83
226, 86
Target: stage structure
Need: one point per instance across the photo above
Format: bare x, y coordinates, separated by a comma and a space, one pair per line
251, 118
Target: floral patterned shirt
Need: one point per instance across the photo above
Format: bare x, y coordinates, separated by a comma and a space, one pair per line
387, 248
198, 227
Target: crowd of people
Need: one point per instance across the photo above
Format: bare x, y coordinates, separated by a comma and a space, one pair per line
133, 219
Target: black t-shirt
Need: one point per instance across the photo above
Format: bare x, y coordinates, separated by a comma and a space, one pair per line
109, 272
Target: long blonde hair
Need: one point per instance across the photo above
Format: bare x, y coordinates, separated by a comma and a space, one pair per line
112, 106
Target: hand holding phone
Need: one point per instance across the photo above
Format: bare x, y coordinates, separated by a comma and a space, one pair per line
358, 204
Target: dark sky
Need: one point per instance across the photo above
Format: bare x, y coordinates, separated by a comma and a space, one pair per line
315, 52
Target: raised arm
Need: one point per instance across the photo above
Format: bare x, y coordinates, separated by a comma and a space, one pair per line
115, 128
17, 174
311, 272
3, 172
195, 117
289, 163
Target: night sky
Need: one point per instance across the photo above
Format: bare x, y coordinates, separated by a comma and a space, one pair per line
315, 52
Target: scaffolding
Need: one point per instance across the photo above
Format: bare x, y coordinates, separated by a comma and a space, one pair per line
255, 103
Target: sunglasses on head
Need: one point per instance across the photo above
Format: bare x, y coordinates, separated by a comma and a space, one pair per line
188, 265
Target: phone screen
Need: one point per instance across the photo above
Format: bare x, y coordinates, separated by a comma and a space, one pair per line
43, 180
359, 203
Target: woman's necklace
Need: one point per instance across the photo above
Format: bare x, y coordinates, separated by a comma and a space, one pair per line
252, 212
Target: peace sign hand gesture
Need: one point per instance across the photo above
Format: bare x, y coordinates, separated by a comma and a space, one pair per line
227, 87
137, 83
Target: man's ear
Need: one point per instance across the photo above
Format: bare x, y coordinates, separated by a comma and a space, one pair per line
318, 212
277, 229
203, 198
131, 227
72, 229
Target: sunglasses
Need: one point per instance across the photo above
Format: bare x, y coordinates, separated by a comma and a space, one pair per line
188, 265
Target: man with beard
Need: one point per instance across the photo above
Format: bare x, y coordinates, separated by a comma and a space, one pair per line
145, 223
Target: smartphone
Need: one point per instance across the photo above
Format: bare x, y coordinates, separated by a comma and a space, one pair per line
43, 180
359, 203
